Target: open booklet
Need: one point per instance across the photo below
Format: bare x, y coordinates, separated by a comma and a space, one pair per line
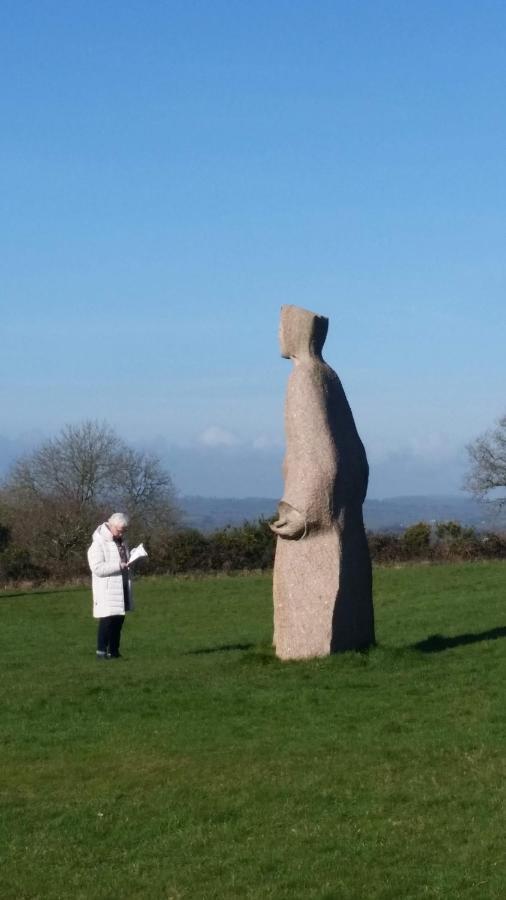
137, 553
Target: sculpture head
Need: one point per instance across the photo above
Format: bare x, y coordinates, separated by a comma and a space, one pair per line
301, 333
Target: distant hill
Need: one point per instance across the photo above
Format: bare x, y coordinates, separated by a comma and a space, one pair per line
391, 514
396, 513
209, 513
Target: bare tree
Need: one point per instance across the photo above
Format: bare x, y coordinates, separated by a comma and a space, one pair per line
487, 476
144, 487
54, 497
78, 466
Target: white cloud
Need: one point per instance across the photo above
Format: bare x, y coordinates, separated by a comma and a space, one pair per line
433, 446
215, 436
425, 446
407, 472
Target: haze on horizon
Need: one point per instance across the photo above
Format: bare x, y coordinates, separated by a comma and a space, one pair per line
172, 174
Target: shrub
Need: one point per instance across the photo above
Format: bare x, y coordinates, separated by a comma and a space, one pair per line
385, 547
493, 546
455, 541
416, 541
449, 532
250, 546
17, 565
5, 537
186, 550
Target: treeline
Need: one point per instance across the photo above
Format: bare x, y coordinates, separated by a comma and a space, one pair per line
173, 552
442, 542
251, 547
53, 499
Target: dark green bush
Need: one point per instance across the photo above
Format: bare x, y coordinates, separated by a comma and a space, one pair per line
450, 532
250, 546
416, 541
454, 541
385, 547
186, 550
493, 546
5, 537
17, 565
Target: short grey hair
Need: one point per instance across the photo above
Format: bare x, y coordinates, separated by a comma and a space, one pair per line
119, 519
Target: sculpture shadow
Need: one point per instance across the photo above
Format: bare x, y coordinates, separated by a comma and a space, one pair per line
436, 643
222, 648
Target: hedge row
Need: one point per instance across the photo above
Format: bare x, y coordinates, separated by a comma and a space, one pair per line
444, 542
251, 547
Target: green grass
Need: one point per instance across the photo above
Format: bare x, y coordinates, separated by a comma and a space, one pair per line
199, 766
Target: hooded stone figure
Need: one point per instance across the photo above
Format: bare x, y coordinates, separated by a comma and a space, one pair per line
322, 570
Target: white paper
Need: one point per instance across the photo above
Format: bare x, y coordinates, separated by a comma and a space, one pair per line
137, 553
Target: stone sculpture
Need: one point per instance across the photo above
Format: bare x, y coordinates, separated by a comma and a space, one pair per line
322, 570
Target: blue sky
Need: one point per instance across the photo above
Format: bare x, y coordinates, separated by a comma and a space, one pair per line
171, 173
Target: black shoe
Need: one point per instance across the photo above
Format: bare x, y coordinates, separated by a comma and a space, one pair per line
113, 655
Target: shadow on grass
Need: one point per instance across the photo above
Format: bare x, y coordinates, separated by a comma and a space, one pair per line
438, 642
222, 648
34, 593
41, 591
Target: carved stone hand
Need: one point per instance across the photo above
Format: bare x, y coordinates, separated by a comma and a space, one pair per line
290, 523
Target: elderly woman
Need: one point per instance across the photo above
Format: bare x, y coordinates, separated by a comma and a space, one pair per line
112, 589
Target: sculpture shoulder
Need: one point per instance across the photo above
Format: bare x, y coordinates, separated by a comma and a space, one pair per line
304, 388
311, 374
316, 380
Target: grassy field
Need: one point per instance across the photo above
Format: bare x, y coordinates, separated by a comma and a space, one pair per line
199, 766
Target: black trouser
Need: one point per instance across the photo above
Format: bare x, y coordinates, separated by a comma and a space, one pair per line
109, 634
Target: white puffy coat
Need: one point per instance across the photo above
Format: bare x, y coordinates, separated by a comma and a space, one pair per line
107, 580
